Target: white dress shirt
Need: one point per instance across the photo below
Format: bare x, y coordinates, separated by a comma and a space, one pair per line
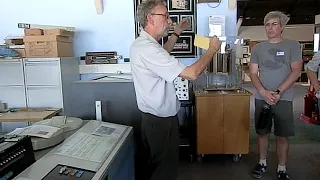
314, 64
153, 72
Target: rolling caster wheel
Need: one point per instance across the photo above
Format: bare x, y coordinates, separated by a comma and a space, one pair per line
191, 159
199, 158
237, 157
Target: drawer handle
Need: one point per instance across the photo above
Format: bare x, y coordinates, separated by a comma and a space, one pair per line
41, 64
41, 87
39, 61
10, 62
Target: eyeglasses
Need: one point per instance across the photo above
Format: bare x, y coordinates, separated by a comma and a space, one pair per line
165, 15
272, 24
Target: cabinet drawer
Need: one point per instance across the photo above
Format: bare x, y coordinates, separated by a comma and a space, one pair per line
11, 72
236, 124
14, 96
209, 114
44, 97
42, 73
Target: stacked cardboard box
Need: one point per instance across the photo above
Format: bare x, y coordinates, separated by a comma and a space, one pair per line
48, 43
16, 44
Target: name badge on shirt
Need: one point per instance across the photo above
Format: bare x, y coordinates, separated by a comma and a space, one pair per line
280, 53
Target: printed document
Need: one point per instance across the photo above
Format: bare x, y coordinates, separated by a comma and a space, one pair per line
42, 131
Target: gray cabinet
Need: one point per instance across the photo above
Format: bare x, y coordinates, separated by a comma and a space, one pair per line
37, 82
12, 89
14, 96
49, 69
11, 72
47, 80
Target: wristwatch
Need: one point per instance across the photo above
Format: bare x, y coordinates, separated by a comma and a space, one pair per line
278, 91
176, 34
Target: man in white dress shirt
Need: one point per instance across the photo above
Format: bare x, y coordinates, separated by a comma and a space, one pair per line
153, 72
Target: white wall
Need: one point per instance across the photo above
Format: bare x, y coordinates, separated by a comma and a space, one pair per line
204, 10
112, 30
294, 32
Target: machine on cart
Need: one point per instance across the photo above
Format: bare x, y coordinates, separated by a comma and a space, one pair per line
222, 106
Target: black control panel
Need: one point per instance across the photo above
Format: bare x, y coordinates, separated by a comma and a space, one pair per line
63, 172
16, 154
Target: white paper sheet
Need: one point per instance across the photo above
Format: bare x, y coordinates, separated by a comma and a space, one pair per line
109, 130
42, 131
88, 147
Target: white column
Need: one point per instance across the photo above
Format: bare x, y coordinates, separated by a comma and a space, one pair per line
317, 19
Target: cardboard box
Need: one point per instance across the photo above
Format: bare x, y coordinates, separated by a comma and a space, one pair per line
48, 46
58, 32
33, 32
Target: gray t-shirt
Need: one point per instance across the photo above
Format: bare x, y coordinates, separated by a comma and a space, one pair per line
274, 61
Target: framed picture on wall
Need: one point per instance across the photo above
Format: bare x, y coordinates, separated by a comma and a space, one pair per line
161, 42
179, 5
175, 22
191, 22
177, 10
137, 28
184, 45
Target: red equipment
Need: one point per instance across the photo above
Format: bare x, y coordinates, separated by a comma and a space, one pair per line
311, 113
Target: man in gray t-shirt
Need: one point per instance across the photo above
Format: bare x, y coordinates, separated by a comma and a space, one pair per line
275, 65
274, 61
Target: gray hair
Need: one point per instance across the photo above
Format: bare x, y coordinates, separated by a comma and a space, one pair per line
283, 19
145, 8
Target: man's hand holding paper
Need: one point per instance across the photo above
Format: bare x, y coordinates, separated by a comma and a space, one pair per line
212, 44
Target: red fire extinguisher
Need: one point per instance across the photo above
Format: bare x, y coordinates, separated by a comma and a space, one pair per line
311, 104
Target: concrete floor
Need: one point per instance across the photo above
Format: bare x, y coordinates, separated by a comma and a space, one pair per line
303, 160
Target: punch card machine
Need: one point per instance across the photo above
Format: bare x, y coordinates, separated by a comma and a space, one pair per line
97, 151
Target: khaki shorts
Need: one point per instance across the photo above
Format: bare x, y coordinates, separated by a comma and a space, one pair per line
282, 116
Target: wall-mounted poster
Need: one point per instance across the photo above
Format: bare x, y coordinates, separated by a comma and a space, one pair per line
178, 9
183, 47
180, 5
190, 21
175, 22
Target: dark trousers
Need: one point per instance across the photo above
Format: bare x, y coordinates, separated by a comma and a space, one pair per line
159, 147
